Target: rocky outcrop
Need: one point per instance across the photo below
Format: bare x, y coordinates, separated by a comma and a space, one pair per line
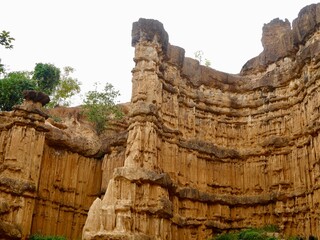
280, 41
277, 41
208, 151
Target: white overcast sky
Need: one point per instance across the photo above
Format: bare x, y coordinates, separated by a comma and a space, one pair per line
94, 37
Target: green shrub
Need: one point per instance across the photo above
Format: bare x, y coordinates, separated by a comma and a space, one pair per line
250, 234
100, 107
227, 236
270, 228
11, 89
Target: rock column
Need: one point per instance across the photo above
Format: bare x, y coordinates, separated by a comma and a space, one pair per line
136, 204
21, 149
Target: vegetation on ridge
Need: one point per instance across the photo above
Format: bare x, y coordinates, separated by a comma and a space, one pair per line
46, 78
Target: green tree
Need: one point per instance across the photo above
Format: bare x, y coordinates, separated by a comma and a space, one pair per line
11, 88
13, 84
6, 41
47, 77
100, 107
67, 88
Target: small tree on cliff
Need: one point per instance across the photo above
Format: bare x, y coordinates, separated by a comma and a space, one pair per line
199, 56
100, 107
66, 88
60, 87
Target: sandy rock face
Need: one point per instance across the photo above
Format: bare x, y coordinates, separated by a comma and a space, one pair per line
208, 151
48, 176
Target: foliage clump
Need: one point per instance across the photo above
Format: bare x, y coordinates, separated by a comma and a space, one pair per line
11, 88
250, 234
45, 78
99, 106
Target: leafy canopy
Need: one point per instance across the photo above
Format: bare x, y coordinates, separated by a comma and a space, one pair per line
47, 77
61, 89
11, 88
100, 107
